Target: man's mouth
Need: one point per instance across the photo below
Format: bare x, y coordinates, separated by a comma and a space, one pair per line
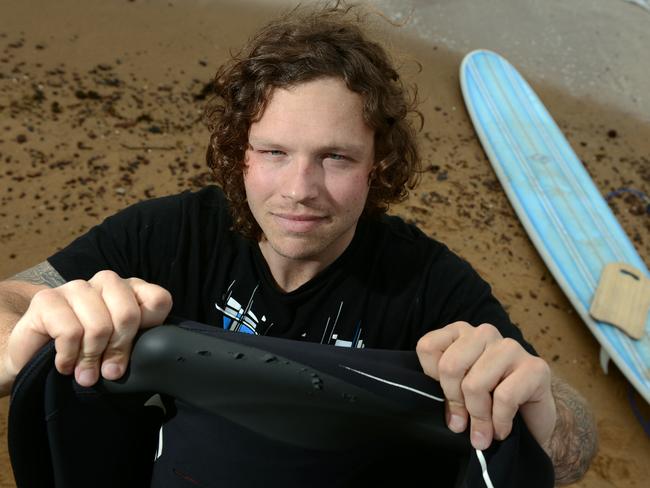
298, 222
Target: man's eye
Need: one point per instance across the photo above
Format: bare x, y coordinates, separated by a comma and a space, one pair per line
336, 157
272, 152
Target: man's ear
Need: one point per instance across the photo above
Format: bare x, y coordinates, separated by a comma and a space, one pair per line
245, 161
372, 175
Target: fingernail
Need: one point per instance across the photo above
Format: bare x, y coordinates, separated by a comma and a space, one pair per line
456, 423
67, 369
479, 441
111, 371
86, 377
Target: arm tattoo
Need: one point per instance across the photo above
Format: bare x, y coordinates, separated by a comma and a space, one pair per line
574, 442
41, 274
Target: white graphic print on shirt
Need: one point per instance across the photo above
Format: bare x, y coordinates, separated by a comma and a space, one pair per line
241, 318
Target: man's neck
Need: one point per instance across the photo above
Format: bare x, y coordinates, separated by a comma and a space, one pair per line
293, 266
290, 274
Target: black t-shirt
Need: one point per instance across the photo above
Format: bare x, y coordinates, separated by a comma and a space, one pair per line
390, 286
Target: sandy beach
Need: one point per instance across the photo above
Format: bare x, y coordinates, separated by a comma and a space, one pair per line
100, 107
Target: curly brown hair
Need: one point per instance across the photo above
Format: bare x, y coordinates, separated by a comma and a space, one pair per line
299, 47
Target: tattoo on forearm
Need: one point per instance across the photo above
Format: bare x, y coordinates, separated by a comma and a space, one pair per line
41, 274
574, 442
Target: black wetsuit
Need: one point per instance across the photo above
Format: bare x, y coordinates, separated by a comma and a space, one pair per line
390, 286
303, 414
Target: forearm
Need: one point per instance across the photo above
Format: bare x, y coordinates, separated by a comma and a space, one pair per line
13, 305
15, 297
574, 442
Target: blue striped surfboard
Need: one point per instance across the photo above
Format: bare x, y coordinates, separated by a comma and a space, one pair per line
564, 214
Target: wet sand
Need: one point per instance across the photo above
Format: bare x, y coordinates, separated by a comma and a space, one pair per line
100, 107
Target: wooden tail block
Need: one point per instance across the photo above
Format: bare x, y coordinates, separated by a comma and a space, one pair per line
622, 299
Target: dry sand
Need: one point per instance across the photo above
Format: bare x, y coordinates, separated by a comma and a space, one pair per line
100, 104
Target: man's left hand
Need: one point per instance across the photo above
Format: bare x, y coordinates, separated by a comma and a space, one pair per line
486, 379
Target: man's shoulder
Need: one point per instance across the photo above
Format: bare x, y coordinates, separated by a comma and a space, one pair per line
407, 243
400, 232
391, 240
205, 208
209, 198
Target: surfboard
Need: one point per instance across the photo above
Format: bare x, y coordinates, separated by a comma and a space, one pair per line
558, 204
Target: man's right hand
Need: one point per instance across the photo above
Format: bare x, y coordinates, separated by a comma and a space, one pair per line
93, 324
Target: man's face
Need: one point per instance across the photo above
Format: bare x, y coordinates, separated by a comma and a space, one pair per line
307, 170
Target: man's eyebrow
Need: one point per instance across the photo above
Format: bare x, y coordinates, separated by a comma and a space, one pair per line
354, 149
266, 143
343, 148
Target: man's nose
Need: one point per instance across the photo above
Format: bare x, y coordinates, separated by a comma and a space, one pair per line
303, 179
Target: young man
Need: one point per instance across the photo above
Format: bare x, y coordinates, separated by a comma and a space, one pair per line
311, 142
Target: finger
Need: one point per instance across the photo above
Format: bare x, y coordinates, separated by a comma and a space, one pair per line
526, 389
48, 316
155, 302
478, 403
92, 313
497, 362
454, 366
67, 344
456, 416
125, 313
430, 349
432, 345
